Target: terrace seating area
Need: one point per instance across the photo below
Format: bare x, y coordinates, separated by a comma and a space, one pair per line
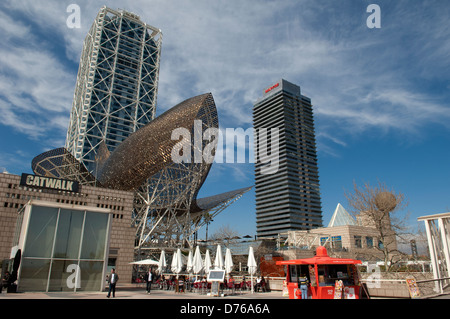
193, 284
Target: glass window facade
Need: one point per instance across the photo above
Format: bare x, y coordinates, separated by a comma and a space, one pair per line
369, 242
358, 241
334, 242
64, 250
116, 90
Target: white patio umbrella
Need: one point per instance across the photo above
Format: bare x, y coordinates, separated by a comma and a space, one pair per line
177, 262
173, 264
197, 262
145, 262
228, 261
251, 264
207, 262
190, 262
162, 262
218, 261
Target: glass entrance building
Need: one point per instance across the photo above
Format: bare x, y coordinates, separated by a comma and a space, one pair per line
64, 248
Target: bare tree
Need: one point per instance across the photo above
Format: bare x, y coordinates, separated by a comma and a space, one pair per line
376, 207
225, 234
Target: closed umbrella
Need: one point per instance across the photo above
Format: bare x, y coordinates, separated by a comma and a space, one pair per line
180, 261
228, 261
162, 262
207, 262
190, 262
218, 261
177, 262
173, 264
197, 262
251, 264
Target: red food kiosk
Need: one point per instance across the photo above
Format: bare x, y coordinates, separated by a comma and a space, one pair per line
329, 278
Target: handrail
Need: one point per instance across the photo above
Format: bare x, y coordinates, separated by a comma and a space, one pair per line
428, 280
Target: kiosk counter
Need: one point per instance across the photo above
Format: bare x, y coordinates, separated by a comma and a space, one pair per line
328, 278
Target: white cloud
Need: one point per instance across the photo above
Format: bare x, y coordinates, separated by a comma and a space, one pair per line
36, 86
11, 28
358, 79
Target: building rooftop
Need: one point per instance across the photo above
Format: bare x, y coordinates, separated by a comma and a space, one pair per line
341, 217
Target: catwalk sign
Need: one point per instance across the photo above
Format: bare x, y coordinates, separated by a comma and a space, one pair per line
49, 182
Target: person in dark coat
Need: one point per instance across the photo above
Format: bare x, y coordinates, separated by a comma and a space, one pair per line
113, 278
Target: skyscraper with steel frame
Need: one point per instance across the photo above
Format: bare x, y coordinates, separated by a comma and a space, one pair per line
117, 83
288, 197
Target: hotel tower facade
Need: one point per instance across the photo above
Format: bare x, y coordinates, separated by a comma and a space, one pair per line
116, 86
288, 196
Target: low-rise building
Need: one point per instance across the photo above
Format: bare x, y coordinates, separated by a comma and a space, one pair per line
58, 199
344, 237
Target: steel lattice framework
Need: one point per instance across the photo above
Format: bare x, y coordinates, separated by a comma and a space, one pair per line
117, 83
166, 210
114, 140
62, 164
438, 234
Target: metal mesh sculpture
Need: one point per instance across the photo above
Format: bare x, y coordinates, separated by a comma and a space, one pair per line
62, 164
166, 210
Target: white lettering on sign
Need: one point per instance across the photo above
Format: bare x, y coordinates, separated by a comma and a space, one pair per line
48, 182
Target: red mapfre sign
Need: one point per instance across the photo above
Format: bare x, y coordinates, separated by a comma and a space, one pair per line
272, 87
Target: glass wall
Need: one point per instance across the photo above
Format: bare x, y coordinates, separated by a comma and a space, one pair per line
64, 250
328, 274
336, 242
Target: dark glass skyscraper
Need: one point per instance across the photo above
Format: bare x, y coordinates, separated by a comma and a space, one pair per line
117, 84
288, 194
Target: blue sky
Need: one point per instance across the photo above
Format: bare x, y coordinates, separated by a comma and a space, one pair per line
381, 96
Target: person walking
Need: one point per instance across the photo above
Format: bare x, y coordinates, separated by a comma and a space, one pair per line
149, 280
113, 278
257, 284
263, 284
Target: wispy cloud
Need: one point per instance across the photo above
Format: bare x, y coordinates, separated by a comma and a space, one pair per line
359, 79
36, 88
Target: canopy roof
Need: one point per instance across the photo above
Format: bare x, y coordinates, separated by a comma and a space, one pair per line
145, 262
341, 217
321, 258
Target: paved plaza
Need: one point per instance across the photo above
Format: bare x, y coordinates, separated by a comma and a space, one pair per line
130, 292
179, 305
133, 291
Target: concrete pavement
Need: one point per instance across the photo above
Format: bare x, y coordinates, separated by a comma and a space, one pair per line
127, 292
136, 301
